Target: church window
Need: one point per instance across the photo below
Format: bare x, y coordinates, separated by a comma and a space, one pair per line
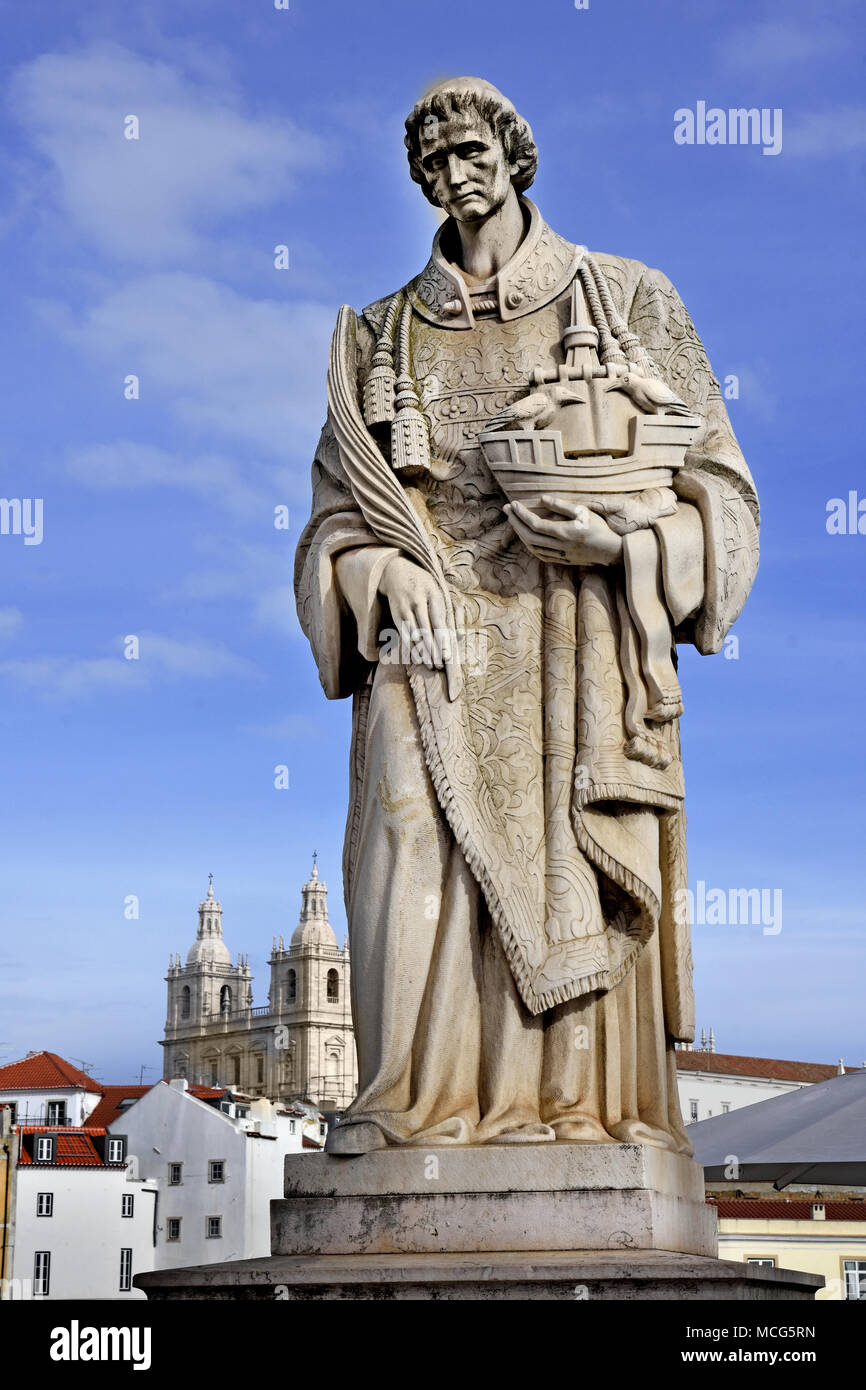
293, 986
260, 1068
226, 999
236, 1070
333, 987
185, 1002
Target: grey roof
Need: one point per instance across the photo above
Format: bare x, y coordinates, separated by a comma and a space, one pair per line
815, 1134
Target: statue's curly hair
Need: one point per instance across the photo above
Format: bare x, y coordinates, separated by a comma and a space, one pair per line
506, 124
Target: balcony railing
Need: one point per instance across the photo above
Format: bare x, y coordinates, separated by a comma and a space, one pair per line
42, 1118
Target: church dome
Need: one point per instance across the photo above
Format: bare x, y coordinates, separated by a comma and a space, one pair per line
314, 929
209, 947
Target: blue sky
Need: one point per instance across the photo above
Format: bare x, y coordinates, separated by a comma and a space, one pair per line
155, 257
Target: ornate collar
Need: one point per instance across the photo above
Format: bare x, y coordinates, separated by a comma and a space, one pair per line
540, 269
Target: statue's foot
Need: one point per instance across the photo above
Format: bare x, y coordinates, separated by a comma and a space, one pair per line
536, 1133
637, 1132
582, 1129
361, 1138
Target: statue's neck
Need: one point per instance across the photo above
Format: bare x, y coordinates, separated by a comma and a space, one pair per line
487, 245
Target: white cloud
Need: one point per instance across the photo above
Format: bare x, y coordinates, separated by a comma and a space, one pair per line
775, 43
258, 574
11, 620
827, 132
294, 728
199, 157
250, 369
127, 465
160, 658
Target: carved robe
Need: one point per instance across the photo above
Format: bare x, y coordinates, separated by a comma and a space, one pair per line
511, 872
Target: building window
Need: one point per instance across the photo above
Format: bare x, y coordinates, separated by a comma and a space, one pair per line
213, 1227
127, 1204
855, 1278
175, 1174
693, 1111
293, 986
42, 1273
260, 1068
44, 1149
216, 1170
125, 1269
185, 1002
291, 1126
173, 1231
323, 1129
236, 1069
44, 1203
726, 1106
333, 987
768, 1261
56, 1112
115, 1151
226, 999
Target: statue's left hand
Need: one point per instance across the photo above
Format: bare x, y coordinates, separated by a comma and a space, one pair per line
584, 539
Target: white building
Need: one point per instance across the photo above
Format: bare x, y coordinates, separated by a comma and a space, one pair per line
714, 1083
43, 1088
83, 1226
298, 1046
215, 1165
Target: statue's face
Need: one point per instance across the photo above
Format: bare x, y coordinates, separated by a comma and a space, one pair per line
466, 166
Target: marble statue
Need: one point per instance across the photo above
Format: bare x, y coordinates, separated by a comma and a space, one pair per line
527, 492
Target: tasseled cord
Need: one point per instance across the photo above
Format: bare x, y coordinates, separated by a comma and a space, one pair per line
410, 437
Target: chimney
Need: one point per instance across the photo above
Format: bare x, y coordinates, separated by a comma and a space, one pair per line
179, 1083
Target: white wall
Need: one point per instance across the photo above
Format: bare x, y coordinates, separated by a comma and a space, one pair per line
84, 1234
168, 1125
713, 1092
31, 1106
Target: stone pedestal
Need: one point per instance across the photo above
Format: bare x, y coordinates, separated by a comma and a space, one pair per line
507, 1197
540, 1221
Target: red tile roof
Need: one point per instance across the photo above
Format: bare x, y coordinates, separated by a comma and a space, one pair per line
45, 1071
758, 1068
74, 1148
109, 1108
774, 1209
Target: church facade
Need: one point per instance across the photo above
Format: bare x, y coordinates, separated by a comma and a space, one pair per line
299, 1046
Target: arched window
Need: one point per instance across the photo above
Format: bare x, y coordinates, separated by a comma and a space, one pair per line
333, 1066
293, 986
185, 1004
333, 987
226, 999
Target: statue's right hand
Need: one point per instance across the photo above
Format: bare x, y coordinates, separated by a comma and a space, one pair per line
418, 612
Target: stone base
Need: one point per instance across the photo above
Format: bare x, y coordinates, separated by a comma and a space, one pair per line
597, 1275
546, 1221
505, 1197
